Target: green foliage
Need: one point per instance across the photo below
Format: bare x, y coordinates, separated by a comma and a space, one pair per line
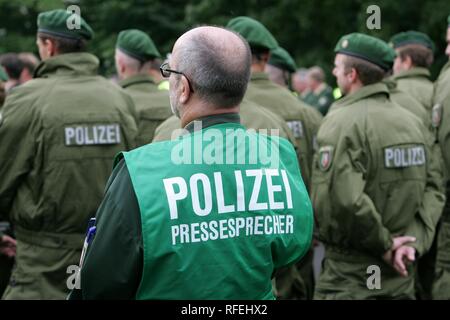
308, 29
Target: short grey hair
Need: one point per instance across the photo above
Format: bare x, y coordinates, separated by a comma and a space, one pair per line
218, 76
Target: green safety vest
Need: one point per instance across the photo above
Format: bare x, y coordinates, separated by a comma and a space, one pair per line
218, 228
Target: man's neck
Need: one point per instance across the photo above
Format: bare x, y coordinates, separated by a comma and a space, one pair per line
199, 111
355, 88
257, 67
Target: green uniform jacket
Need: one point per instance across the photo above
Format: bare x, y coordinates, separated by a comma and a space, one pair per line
417, 83
252, 116
303, 120
152, 105
59, 135
441, 115
320, 99
406, 101
186, 270
372, 178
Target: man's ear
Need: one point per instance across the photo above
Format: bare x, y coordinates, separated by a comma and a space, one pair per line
185, 90
265, 57
353, 75
120, 66
408, 62
50, 46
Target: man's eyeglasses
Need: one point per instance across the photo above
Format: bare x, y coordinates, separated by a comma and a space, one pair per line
165, 72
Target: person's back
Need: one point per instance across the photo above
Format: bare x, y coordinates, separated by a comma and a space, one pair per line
152, 106
441, 112
396, 188
417, 83
226, 228
226, 207
137, 66
405, 100
252, 116
303, 120
414, 56
60, 134
375, 192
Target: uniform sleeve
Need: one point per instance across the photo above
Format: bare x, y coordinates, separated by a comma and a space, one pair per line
18, 135
112, 268
424, 225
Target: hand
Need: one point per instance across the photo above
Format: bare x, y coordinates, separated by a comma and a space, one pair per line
8, 246
402, 257
397, 242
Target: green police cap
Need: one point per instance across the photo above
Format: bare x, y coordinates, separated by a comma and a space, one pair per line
3, 74
254, 32
137, 44
282, 59
411, 37
367, 48
61, 23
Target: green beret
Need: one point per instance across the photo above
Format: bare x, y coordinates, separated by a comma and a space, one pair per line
367, 48
411, 37
282, 59
254, 32
137, 44
55, 23
3, 74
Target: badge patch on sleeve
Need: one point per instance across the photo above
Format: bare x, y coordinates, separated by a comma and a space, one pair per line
325, 157
436, 115
297, 128
404, 156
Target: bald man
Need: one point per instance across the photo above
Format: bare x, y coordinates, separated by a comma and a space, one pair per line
206, 216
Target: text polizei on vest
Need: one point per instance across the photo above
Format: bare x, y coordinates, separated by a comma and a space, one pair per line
279, 198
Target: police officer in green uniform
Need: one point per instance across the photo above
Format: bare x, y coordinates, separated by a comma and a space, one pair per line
135, 52
302, 119
203, 230
280, 67
320, 95
426, 264
60, 132
376, 197
441, 115
414, 57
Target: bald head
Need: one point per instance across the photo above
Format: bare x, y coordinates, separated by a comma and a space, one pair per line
216, 61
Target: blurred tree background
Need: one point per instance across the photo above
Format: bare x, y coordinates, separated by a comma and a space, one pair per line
308, 29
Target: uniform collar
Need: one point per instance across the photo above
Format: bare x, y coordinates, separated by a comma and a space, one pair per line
259, 76
363, 93
212, 120
413, 72
140, 78
68, 64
